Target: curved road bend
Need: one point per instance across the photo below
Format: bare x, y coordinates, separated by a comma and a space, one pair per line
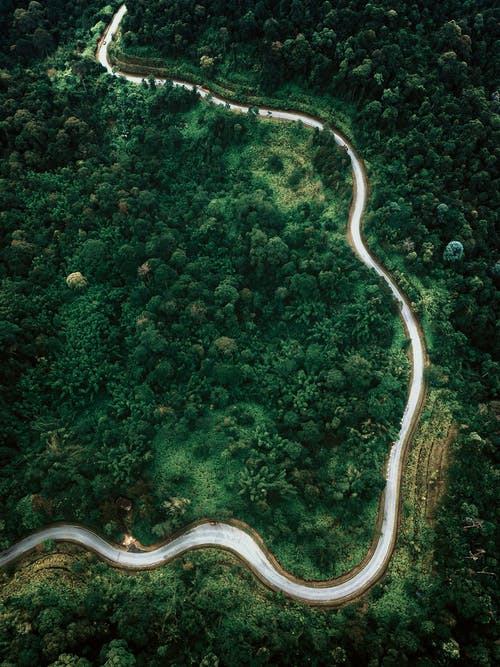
230, 537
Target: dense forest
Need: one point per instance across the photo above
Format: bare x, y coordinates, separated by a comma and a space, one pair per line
185, 328
190, 282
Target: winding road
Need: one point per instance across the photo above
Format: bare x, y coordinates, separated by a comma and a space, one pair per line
230, 537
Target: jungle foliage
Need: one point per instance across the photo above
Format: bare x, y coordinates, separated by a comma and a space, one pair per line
184, 323
161, 279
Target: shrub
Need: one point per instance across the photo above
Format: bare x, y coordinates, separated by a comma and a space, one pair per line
76, 281
453, 252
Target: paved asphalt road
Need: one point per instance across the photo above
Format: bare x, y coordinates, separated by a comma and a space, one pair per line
230, 537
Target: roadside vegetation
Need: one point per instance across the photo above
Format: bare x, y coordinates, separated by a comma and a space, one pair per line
187, 326
184, 326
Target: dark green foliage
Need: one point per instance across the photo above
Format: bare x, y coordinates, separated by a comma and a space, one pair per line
203, 291
425, 85
32, 30
146, 284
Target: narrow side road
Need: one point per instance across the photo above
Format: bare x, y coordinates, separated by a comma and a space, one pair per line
227, 536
